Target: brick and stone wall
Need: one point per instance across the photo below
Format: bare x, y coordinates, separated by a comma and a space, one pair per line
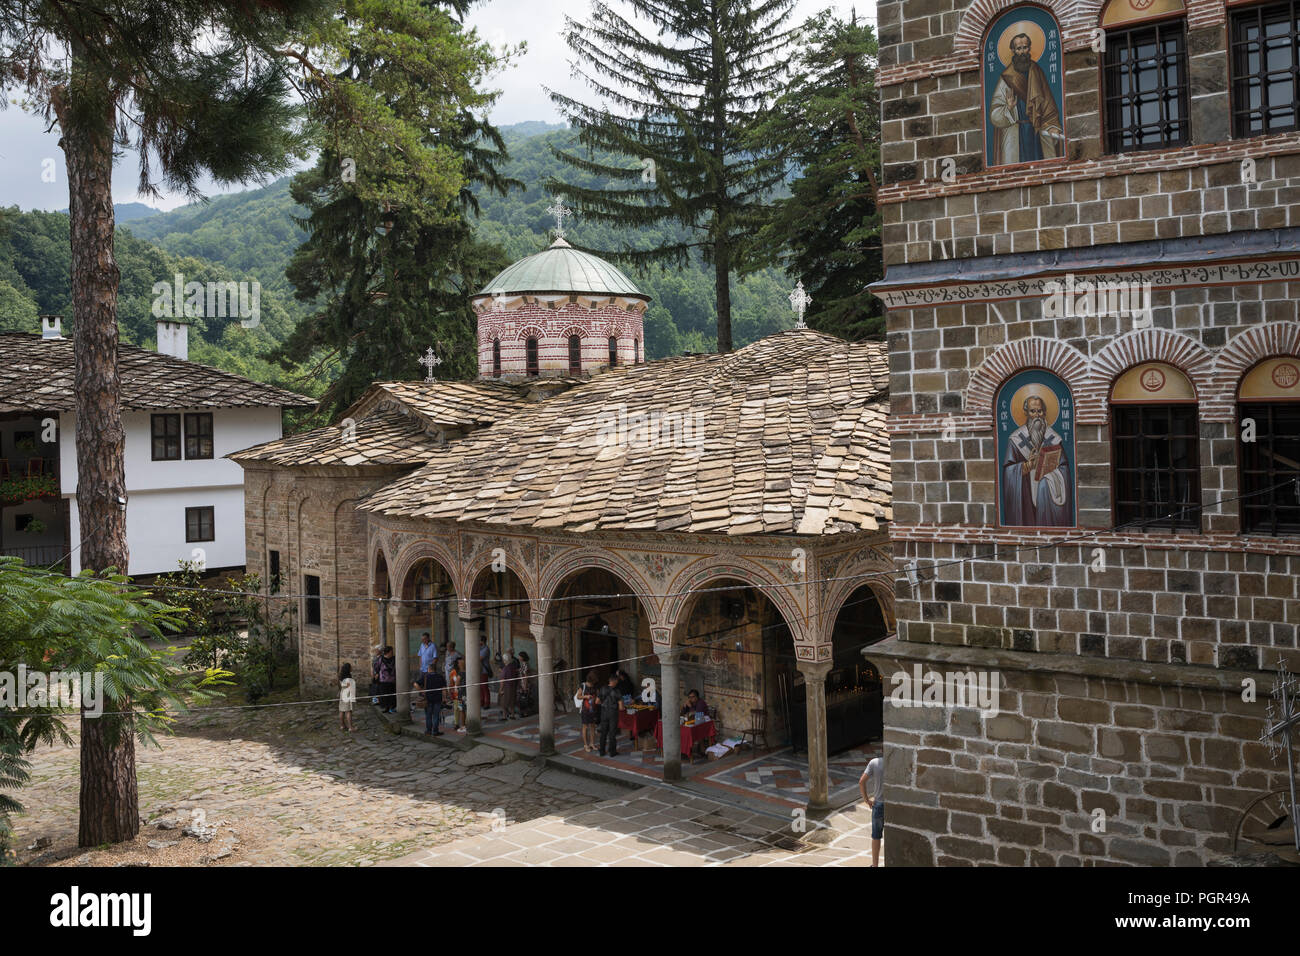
1121, 652
1169, 761
309, 516
594, 321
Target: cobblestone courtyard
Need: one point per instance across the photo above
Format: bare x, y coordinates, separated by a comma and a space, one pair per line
283, 786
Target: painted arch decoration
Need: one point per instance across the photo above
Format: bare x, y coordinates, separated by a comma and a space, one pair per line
1024, 117
1035, 426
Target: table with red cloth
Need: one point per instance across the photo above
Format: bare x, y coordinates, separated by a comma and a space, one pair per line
691, 734
637, 722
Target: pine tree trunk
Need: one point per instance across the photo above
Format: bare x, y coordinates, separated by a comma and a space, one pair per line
110, 800
722, 283
86, 109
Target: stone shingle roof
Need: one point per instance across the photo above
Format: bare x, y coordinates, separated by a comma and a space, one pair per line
790, 439
37, 375
388, 438
396, 423
445, 404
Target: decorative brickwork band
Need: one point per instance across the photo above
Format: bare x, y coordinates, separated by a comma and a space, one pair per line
1149, 345
1050, 354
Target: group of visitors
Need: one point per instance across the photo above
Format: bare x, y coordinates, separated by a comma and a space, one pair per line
441, 684
599, 707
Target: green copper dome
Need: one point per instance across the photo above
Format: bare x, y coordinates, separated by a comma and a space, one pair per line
561, 268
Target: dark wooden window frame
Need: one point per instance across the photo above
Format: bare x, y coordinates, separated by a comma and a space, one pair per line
532, 361
198, 435
200, 524
311, 602
613, 352
496, 358
1240, 50
1118, 94
575, 355
169, 435
1133, 423
1278, 511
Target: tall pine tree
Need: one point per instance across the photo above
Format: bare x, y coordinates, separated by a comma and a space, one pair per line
391, 260
827, 231
196, 87
679, 94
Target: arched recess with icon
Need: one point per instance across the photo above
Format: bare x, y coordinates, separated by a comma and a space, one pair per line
1023, 70
1035, 419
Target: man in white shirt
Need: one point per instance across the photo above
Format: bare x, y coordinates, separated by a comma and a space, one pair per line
874, 777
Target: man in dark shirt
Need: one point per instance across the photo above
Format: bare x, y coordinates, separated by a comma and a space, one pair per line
611, 703
694, 704
432, 682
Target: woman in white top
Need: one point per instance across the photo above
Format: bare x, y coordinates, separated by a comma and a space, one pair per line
347, 697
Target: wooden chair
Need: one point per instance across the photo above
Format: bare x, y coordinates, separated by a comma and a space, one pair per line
35, 466
757, 727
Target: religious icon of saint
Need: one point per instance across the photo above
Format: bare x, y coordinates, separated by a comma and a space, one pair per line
1036, 481
1024, 112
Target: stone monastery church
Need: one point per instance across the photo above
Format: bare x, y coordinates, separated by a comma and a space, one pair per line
713, 522
1074, 475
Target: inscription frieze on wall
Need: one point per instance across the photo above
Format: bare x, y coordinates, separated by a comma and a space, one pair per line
1224, 273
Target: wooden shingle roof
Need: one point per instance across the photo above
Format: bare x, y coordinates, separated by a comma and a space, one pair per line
38, 375
784, 436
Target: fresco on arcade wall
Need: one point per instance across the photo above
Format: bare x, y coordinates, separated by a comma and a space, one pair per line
1023, 116
1035, 424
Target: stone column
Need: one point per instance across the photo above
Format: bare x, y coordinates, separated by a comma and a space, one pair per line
473, 677
669, 695
401, 650
545, 638
819, 783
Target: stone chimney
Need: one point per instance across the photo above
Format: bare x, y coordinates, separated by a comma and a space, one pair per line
173, 338
51, 326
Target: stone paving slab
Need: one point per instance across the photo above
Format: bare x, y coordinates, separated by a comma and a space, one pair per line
639, 830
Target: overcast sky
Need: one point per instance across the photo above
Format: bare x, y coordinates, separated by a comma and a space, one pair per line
30, 157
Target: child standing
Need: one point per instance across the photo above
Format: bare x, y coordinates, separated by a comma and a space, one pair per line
454, 680
347, 697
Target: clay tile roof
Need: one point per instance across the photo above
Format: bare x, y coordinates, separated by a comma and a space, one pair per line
37, 375
784, 436
385, 439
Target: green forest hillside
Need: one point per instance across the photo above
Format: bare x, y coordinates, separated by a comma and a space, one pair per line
252, 236
254, 233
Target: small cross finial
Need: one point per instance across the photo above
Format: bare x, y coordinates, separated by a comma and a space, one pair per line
430, 361
560, 211
799, 301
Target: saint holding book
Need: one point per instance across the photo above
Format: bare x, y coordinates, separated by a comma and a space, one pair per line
1036, 486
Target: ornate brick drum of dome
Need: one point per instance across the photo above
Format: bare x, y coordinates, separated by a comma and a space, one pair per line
559, 312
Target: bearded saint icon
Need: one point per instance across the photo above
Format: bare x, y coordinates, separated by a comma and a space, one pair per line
1024, 111
1036, 485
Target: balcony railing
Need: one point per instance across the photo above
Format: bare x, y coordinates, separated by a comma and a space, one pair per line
42, 556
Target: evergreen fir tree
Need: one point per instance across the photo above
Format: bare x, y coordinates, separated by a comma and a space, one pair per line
827, 231
679, 100
391, 273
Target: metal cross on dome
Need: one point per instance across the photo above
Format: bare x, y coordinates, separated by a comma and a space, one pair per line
560, 211
1282, 720
799, 301
430, 361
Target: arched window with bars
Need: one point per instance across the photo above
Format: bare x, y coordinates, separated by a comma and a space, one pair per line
575, 355
530, 352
